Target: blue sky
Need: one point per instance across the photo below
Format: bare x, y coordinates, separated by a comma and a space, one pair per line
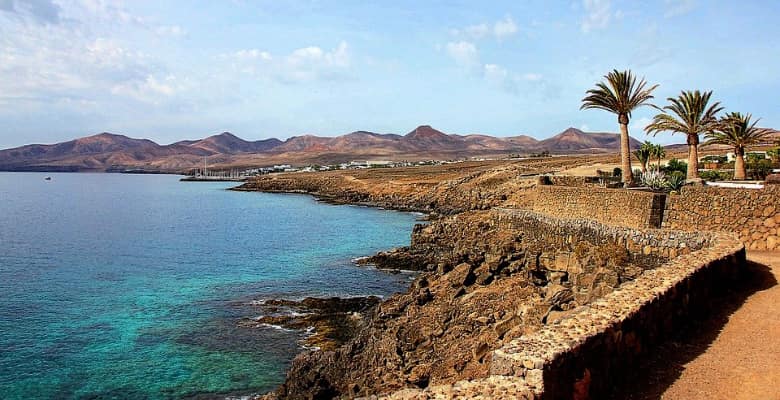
172, 70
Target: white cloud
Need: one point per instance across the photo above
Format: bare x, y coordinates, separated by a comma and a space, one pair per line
501, 29
597, 15
464, 53
474, 31
504, 28
498, 76
42, 11
75, 61
585, 128
676, 8
149, 90
638, 125
253, 54
301, 65
171, 30
495, 73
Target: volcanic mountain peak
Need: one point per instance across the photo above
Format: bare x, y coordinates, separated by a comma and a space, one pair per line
107, 151
102, 142
228, 143
425, 132
575, 139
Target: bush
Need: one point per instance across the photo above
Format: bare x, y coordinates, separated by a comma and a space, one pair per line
754, 157
716, 175
676, 165
617, 172
759, 169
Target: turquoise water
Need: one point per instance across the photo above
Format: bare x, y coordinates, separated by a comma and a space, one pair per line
130, 286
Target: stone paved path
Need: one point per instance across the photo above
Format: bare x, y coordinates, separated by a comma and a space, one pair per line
734, 355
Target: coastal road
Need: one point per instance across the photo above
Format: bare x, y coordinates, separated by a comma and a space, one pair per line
733, 355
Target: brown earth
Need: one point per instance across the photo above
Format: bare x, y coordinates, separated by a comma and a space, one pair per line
443, 189
732, 355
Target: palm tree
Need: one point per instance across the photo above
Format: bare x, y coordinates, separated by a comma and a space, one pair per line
658, 152
689, 114
736, 130
643, 154
621, 94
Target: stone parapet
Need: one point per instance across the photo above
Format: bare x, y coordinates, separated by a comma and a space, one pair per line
632, 208
753, 215
581, 355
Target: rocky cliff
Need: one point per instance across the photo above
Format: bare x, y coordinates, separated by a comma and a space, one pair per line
485, 284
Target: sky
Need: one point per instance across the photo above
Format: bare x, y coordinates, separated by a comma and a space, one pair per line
173, 70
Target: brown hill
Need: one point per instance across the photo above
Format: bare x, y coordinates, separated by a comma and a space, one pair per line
227, 143
573, 140
107, 151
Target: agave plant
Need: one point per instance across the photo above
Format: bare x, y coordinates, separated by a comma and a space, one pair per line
675, 181
621, 94
654, 179
739, 132
690, 114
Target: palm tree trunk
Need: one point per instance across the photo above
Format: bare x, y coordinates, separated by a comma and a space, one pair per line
739, 165
625, 155
693, 157
644, 167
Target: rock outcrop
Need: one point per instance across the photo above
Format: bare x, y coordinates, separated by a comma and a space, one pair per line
486, 282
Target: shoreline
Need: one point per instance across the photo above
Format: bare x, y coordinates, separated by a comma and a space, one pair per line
365, 262
337, 201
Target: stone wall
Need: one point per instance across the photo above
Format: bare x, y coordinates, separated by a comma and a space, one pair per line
632, 208
582, 355
753, 215
559, 234
577, 181
490, 277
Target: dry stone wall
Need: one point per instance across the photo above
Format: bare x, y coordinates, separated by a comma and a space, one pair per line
753, 215
582, 355
636, 209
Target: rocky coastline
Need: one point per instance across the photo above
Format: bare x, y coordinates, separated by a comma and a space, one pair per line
329, 321
504, 276
481, 284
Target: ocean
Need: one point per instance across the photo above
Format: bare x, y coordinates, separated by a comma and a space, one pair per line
120, 286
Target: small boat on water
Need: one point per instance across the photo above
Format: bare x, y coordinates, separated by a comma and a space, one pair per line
48, 178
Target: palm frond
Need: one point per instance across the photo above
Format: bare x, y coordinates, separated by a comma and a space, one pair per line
738, 131
689, 113
620, 94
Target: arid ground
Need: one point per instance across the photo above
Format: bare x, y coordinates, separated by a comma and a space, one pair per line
734, 355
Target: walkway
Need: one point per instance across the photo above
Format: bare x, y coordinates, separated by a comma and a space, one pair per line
734, 355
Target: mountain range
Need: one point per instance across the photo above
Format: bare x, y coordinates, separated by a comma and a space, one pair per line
112, 152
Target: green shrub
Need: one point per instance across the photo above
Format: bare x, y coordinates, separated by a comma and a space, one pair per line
754, 157
675, 181
676, 165
716, 175
759, 169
